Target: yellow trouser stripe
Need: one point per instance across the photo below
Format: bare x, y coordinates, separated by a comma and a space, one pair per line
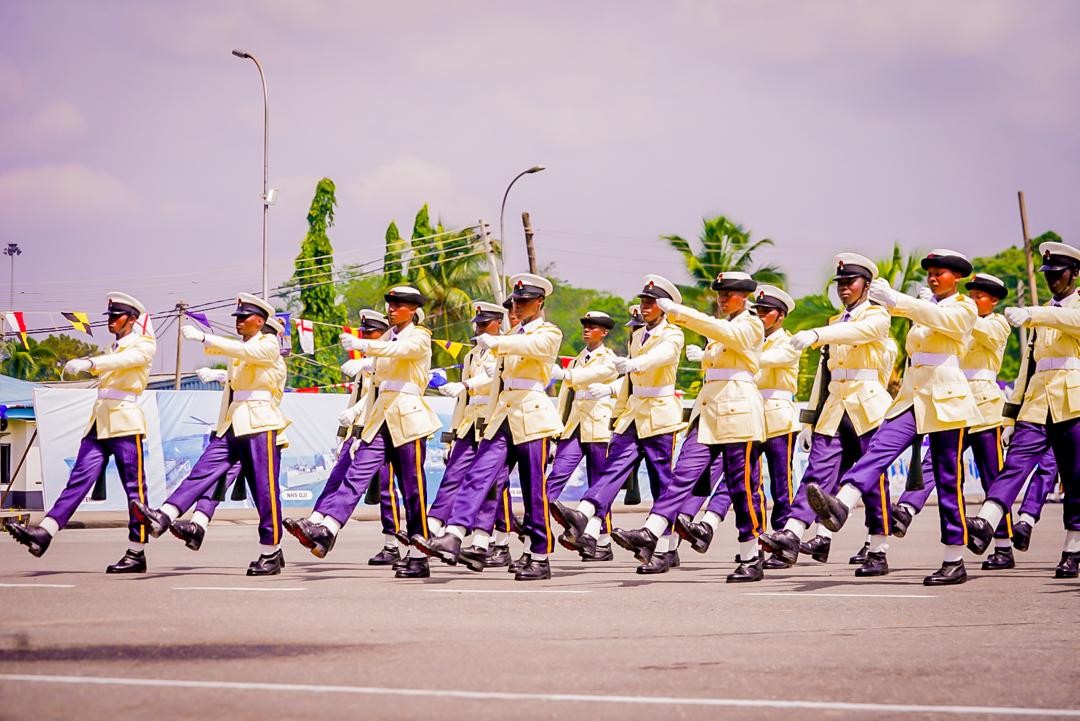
749, 491
960, 484
790, 470
884, 503
272, 485
1001, 465
543, 494
139, 483
506, 508
393, 501
420, 487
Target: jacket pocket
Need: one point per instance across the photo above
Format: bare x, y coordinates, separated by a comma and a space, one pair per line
126, 419
537, 417
1072, 391
262, 415
665, 414
953, 403
778, 417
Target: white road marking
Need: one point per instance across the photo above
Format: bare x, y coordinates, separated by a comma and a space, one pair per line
234, 588
507, 590
557, 697
839, 595
37, 585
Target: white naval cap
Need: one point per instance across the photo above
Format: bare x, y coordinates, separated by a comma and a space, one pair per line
117, 302
248, 304
1058, 256
948, 259
527, 285
657, 286
989, 284
853, 265
405, 294
418, 316
597, 317
274, 324
635, 317
486, 312
773, 297
373, 320
734, 280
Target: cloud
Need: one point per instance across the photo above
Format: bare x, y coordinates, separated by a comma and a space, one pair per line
65, 195
405, 183
57, 122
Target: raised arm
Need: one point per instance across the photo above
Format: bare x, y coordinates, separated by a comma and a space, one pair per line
139, 353
414, 346
544, 342
780, 355
1066, 320
873, 325
602, 370
738, 335
952, 319
261, 351
666, 352
992, 332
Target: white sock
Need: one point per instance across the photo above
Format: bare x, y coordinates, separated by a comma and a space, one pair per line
878, 544
414, 552
657, 524
587, 508
592, 528
795, 526
953, 554
390, 540
136, 546
823, 532
992, 513
315, 517
1003, 544
200, 519
268, 550
50, 525
603, 540
539, 556
171, 511
502, 538
458, 531
712, 520
910, 508
1027, 518
1072, 541
435, 526
748, 550
481, 539
673, 542
661, 545
849, 495
331, 525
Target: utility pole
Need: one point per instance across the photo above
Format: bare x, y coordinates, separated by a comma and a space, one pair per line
1028, 259
494, 278
180, 308
11, 251
529, 248
1023, 330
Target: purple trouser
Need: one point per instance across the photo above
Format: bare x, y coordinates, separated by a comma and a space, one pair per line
462, 454
94, 453
567, 457
742, 475
1028, 445
779, 452
1040, 486
719, 500
497, 511
260, 459
624, 451
407, 464
493, 458
893, 437
830, 458
206, 503
388, 502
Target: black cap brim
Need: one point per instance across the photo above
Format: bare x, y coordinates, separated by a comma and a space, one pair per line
601, 322
998, 291
949, 262
413, 298
654, 293
740, 284
121, 309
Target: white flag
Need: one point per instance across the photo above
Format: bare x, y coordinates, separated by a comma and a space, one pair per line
145, 325
306, 334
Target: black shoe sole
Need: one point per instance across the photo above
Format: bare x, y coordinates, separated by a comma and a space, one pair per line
545, 577
859, 573
1059, 574
295, 532
696, 544
642, 554
151, 527
448, 558
473, 564
820, 504
744, 579
191, 543
987, 566
938, 582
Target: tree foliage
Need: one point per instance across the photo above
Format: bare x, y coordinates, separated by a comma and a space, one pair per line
44, 360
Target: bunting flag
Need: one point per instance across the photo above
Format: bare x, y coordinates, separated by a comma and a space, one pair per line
452, 347
199, 318
564, 360
80, 322
354, 354
306, 331
145, 325
16, 324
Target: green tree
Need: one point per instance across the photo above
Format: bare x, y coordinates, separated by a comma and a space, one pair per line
394, 256
64, 348
30, 363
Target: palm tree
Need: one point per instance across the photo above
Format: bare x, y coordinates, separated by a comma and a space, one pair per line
31, 362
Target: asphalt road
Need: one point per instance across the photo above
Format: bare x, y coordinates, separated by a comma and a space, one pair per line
334, 638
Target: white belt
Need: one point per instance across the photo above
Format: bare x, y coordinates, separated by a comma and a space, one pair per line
115, 395
252, 396
479, 400
523, 384
654, 391
854, 374
980, 374
399, 387
1054, 364
768, 393
934, 359
728, 374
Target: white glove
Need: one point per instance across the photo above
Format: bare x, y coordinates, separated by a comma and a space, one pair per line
925, 294
694, 353
351, 342
599, 390
558, 373
356, 366
667, 305
348, 416
625, 365
212, 375
1006, 436
804, 438
1017, 316
192, 333
452, 389
75, 366
881, 292
804, 339
485, 340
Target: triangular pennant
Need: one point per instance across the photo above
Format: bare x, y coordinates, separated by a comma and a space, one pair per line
17, 325
565, 360
145, 325
79, 321
356, 332
200, 318
306, 332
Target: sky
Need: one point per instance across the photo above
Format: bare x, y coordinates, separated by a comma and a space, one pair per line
131, 139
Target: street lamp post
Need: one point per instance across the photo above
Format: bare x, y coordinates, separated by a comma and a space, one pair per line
11, 251
267, 194
502, 209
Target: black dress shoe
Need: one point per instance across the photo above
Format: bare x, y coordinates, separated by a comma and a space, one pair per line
385, 557
899, 520
446, 547
599, 554
399, 564
817, 548
1069, 566
131, 562
293, 526
499, 557
521, 562
1000, 560
156, 522
572, 520
774, 562
657, 564
950, 573
980, 534
699, 535
568, 540
35, 538
189, 532
861, 555
875, 565
673, 560
474, 558
320, 539
1021, 535
534, 571
748, 571
414, 568
267, 564
640, 541
403, 538
783, 545
831, 513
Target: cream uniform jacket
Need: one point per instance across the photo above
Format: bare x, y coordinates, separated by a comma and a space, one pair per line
525, 356
933, 382
652, 404
402, 367
593, 416
981, 364
728, 408
1055, 387
470, 406
254, 384
123, 372
859, 360
778, 381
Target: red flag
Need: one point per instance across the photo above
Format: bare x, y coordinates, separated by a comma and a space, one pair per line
17, 325
354, 354
565, 360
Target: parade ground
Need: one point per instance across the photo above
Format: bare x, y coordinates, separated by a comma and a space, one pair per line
194, 638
